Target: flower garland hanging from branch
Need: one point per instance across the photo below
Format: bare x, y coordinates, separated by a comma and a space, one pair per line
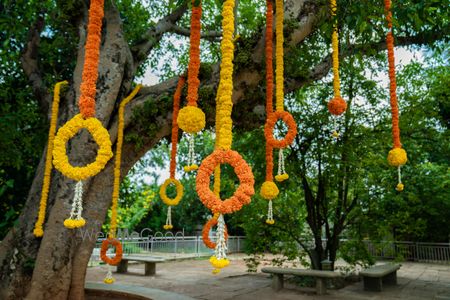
191, 119
38, 227
111, 240
179, 187
223, 153
397, 156
85, 120
280, 113
337, 106
269, 189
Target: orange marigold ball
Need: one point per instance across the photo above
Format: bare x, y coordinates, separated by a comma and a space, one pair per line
337, 106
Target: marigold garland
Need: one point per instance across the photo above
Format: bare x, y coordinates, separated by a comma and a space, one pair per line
38, 226
223, 153
179, 187
205, 232
337, 105
119, 251
397, 157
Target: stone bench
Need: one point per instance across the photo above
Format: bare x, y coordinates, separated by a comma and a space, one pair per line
376, 276
320, 276
150, 264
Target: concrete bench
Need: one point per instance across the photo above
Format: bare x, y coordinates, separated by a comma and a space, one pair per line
376, 276
320, 276
150, 264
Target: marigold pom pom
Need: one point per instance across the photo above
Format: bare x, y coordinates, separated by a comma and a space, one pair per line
109, 280
269, 190
400, 187
191, 119
167, 227
281, 177
397, 157
219, 263
337, 106
270, 222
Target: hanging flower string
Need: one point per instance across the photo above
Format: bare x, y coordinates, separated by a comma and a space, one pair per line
85, 120
38, 227
397, 156
337, 105
223, 153
279, 114
269, 189
191, 119
111, 240
172, 181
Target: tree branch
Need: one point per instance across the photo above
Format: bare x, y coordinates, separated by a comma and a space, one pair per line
152, 37
212, 36
30, 65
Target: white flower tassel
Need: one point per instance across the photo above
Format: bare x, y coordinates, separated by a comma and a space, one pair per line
270, 219
335, 133
400, 185
219, 260
168, 225
75, 219
281, 175
191, 155
109, 278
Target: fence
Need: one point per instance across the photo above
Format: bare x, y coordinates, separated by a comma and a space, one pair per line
410, 251
173, 246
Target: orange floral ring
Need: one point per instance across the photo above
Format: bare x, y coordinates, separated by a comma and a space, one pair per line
243, 193
119, 251
272, 119
205, 232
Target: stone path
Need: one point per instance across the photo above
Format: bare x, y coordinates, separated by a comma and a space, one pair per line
416, 281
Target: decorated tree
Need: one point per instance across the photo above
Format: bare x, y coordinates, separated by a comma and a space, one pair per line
49, 46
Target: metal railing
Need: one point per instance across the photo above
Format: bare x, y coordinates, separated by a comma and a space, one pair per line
172, 246
410, 251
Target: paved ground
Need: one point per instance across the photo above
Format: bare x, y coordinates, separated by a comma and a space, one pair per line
416, 281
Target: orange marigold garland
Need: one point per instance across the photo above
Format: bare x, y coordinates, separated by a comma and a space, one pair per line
223, 153
191, 119
172, 181
115, 195
85, 120
397, 156
269, 189
337, 106
280, 113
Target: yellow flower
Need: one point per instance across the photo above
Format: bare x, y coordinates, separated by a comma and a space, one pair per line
109, 280
269, 190
281, 177
163, 194
270, 222
191, 119
69, 130
219, 263
397, 157
167, 227
400, 187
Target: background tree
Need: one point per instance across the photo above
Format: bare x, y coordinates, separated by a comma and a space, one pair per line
47, 46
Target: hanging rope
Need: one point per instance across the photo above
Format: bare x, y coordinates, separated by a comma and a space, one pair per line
397, 156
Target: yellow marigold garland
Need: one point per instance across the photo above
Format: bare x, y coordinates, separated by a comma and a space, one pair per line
115, 195
223, 153
38, 227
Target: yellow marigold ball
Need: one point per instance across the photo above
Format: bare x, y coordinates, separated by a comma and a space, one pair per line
109, 280
168, 227
400, 187
191, 119
397, 157
69, 223
219, 263
281, 177
269, 190
270, 222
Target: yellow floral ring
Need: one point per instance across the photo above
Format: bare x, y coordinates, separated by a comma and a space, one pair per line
68, 131
163, 194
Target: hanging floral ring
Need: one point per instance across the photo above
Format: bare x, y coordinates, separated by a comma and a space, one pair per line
205, 232
243, 193
119, 251
270, 125
163, 193
68, 131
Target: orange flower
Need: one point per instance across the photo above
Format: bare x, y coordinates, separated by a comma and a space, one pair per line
270, 124
337, 106
119, 252
243, 193
176, 108
194, 53
89, 76
205, 232
269, 84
